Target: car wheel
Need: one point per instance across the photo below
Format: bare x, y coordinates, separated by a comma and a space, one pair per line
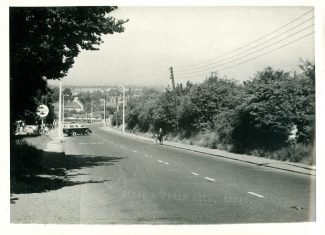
74, 133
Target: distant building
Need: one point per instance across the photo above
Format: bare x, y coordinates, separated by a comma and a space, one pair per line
74, 105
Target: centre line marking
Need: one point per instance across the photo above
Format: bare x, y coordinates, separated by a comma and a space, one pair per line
193, 173
134, 151
166, 163
146, 155
255, 194
160, 161
209, 179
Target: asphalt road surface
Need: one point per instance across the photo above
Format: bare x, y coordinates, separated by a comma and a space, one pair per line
128, 181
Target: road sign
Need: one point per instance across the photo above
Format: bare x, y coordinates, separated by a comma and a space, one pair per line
42, 111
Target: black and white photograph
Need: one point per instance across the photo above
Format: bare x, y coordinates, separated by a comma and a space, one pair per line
162, 114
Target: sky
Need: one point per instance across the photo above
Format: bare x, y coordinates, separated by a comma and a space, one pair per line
192, 40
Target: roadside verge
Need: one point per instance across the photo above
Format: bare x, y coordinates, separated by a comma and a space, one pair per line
260, 161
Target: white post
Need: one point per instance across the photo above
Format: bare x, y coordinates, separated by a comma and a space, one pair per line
123, 120
63, 110
105, 111
91, 112
60, 112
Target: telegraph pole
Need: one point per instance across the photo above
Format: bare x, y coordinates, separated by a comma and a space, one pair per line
175, 97
91, 112
130, 96
60, 112
105, 110
116, 124
123, 119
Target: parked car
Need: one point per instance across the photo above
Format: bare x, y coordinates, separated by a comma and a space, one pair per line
31, 129
76, 129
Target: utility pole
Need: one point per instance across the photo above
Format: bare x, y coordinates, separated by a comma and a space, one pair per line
175, 97
105, 110
130, 96
60, 112
63, 107
123, 119
91, 112
116, 124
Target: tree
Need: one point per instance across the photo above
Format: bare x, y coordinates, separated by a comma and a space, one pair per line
43, 44
54, 94
274, 102
209, 99
67, 92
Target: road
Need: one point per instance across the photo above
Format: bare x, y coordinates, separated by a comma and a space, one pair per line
124, 180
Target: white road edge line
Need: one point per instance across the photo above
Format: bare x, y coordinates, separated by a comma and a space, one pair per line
255, 194
209, 179
193, 173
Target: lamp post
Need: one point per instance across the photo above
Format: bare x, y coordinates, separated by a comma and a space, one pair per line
123, 108
63, 108
123, 119
60, 136
91, 112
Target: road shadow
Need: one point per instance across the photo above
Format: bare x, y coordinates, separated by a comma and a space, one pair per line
36, 171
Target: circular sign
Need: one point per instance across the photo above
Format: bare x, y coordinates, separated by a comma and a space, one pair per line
42, 110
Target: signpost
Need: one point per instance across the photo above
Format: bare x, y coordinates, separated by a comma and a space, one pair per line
42, 111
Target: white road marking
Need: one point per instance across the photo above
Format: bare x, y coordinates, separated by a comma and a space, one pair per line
146, 155
209, 179
134, 151
163, 162
255, 194
193, 173
91, 143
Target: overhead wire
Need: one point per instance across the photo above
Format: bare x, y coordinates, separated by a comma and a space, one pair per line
253, 58
251, 53
180, 68
240, 53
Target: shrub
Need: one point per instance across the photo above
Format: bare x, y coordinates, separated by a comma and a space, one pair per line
294, 153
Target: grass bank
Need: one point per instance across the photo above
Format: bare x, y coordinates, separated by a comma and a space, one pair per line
300, 153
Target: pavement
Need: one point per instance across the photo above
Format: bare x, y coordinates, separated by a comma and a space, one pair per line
55, 144
271, 163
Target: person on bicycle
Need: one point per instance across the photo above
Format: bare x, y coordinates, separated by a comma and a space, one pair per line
160, 136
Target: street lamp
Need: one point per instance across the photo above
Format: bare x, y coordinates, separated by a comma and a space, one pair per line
123, 109
60, 132
63, 109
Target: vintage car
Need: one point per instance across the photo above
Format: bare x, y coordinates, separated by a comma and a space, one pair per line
31, 129
76, 129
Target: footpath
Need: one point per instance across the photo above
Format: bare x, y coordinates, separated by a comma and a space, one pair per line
54, 145
260, 161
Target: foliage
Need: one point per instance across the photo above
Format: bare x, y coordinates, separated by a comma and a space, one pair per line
257, 116
274, 102
67, 92
54, 94
294, 153
140, 114
43, 44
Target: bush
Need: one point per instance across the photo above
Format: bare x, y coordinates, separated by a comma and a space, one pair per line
294, 153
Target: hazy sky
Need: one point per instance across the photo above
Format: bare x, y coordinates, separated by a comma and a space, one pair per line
156, 38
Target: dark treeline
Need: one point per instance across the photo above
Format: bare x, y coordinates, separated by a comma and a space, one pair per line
273, 111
